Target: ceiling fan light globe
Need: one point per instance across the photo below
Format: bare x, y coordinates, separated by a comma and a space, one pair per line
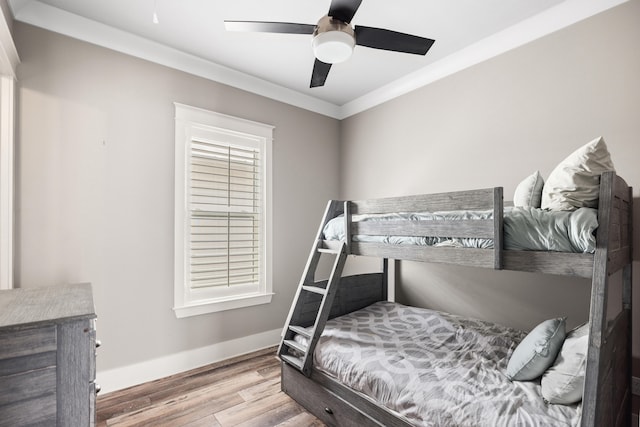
333, 47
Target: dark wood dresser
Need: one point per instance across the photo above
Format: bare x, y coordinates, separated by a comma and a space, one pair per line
47, 356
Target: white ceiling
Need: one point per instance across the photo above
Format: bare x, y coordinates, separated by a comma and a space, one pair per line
190, 36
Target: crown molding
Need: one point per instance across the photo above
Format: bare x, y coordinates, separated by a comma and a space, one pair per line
60, 21
9, 59
553, 19
540, 25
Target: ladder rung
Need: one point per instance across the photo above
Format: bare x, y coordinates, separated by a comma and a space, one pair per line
296, 346
330, 246
300, 330
292, 360
329, 251
315, 289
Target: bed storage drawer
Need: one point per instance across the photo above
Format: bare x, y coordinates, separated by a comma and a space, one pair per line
331, 409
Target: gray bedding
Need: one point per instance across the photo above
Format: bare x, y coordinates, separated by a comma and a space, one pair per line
524, 229
434, 369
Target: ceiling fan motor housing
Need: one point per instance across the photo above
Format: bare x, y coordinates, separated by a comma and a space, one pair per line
333, 40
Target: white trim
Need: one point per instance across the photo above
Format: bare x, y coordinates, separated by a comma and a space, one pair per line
9, 59
150, 370
59, 21
189, 121
556, 18
553, 19
7, 111
224, 121
213, 306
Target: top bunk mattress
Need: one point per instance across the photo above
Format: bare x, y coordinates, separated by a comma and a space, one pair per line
525, 228
434, 369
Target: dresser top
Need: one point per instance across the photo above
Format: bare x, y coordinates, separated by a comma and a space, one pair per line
21, 307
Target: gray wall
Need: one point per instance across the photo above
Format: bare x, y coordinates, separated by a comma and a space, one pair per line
492, 125
95, 190
95, 173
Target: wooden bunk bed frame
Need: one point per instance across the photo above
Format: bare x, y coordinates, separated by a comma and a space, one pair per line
607, 389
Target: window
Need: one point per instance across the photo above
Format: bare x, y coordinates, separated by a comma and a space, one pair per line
222, 212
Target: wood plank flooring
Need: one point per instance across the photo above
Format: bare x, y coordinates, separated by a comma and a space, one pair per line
242, 392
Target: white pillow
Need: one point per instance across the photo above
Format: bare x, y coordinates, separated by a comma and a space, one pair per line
529, 191
575, 182
537, 351
564, 381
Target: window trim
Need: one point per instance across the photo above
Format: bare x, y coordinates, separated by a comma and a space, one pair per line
187, 120
9, 61
7, 105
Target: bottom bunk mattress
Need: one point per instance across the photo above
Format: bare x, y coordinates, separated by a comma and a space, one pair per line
434, 369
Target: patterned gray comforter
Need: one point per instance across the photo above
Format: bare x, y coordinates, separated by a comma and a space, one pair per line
434, 369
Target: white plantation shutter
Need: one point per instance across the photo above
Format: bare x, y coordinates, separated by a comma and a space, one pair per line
222, 213
225, 215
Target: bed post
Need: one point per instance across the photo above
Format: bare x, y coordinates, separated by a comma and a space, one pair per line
347, 225
385, 279
627, 283
607, 391
498, 213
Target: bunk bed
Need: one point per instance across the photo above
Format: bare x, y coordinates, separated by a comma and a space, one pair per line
606, 394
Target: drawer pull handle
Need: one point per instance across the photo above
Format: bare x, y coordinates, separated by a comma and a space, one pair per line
98, 343
328, 411
98, 388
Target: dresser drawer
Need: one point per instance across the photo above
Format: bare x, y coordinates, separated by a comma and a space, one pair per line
92, 358
92, 404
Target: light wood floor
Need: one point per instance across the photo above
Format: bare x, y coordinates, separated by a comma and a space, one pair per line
244, 391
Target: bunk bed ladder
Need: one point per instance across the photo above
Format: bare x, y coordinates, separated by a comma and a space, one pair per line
314, 299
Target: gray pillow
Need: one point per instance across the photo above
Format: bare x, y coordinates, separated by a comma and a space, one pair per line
575, 182
537, 351
563, 382
529, 192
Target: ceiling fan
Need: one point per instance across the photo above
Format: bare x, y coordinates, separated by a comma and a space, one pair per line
334, 38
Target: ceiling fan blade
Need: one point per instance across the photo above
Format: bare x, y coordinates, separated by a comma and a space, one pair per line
320, 73
379, 38
269, 27
343, 10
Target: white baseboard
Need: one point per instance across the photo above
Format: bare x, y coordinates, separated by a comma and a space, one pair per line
150, 370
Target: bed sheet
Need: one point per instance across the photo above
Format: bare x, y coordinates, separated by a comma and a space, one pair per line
525, 228
434, 369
